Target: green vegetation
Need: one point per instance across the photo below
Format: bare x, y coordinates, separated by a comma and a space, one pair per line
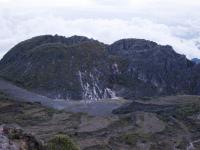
131, 139
22, 113
3, 96
61, 142
188, 110
145, 98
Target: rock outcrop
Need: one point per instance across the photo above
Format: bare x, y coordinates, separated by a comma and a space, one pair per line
13, 137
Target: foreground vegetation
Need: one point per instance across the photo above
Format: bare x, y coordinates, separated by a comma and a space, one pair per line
58, 130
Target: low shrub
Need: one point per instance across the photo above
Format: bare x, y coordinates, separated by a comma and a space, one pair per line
61, 142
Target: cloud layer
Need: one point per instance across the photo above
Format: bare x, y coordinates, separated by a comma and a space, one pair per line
156, 20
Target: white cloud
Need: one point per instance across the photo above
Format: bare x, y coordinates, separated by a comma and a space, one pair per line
165, 21
45, 3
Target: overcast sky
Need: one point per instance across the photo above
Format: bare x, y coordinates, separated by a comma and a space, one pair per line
173, 22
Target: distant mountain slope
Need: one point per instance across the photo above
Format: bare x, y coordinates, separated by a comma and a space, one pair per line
81, 68
196, 60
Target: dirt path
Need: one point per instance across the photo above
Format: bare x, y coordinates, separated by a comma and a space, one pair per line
21, 94
102, 107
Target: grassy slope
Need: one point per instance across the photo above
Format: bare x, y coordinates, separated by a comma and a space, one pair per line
131, 131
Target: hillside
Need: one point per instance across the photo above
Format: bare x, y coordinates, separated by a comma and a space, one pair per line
80, 68
151, 126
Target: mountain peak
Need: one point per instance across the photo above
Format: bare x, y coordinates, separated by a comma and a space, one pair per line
45, 39
134, 44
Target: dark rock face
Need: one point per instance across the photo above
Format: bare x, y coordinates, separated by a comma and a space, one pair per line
82, 68
151, 69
